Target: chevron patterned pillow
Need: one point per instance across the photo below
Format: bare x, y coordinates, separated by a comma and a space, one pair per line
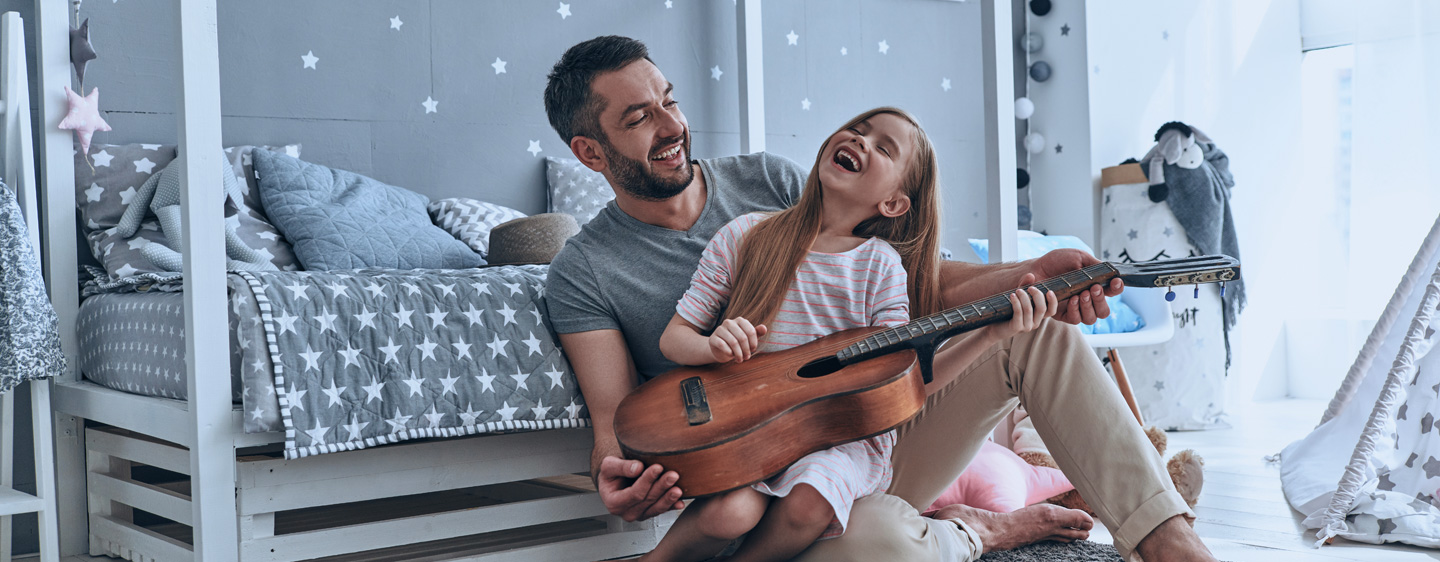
471, 220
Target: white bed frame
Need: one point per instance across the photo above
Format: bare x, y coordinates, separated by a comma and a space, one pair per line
227, 489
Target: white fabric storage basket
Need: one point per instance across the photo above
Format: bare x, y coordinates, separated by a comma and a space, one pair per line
1179, 384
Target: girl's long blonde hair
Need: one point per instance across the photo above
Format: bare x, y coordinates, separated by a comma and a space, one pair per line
772, 250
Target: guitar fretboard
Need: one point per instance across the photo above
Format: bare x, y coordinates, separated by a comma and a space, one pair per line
970, 315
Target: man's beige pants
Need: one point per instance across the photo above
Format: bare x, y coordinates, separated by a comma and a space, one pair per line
1078, 412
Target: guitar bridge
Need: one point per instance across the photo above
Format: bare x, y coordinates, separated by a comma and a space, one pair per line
697, 407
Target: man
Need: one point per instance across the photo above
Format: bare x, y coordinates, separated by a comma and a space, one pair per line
613, 288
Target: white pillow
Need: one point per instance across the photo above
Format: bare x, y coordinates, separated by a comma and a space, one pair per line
575, 189
470, 220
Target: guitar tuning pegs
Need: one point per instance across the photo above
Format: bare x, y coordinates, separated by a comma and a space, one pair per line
1222, 288
1169, 295
1197, 291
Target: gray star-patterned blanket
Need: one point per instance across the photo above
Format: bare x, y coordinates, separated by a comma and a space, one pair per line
369, 357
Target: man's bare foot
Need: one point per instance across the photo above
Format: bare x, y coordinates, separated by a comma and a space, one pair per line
1174, 540
1039, 522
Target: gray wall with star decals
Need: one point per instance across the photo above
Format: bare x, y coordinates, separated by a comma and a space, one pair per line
362, 107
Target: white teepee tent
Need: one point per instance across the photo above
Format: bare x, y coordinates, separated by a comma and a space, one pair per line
1370, 471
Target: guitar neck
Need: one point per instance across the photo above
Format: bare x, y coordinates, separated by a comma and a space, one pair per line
935, 328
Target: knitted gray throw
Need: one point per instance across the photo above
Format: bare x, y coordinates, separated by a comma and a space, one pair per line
1078, 551
1200, 199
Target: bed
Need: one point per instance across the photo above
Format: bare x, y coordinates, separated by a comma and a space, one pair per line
181, 466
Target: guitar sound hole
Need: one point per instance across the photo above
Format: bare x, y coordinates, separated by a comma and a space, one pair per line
820, 367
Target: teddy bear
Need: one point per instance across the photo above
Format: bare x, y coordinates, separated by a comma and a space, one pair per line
1186, 468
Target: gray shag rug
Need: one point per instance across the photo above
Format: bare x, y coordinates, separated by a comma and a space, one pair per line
1078, 551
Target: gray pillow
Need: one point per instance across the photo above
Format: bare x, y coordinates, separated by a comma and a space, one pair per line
471, 220
575, 189
106, 182
342, 220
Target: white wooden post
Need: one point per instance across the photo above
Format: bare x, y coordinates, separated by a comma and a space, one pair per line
212, 452
750, 44
999, 80
59, 260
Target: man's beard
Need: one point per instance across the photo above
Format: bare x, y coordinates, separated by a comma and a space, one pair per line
635, 178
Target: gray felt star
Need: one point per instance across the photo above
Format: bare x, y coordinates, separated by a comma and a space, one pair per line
1133, 234
1386, 526
1431, 467
1059, 148
81, 51
1065, 29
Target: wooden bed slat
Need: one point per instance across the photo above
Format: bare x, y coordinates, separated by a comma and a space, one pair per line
154, 499
110, 537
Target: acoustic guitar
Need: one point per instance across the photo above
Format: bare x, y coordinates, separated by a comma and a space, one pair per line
728, 425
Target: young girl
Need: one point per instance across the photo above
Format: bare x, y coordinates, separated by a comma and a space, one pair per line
865, 229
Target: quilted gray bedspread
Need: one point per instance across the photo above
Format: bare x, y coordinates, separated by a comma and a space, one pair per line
369, 357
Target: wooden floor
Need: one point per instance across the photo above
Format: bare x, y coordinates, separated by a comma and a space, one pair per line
1242, 513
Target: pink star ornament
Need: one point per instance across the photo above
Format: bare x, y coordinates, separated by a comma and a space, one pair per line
84, 117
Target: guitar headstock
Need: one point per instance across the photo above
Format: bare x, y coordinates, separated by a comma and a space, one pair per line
1184, 271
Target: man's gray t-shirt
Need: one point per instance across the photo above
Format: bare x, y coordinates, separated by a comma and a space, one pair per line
623, 274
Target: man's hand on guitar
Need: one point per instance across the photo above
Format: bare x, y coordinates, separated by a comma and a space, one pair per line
735, 339
1085, 307
635, 494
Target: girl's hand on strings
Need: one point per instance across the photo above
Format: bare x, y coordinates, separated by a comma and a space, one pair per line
735, 339
1031, 306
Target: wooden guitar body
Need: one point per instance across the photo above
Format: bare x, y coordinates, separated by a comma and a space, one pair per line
765, 413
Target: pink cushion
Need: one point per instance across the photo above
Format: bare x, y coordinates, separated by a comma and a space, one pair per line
999, 480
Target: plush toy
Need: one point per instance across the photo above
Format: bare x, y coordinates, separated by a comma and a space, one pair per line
999, 480
161, 195
1186, 468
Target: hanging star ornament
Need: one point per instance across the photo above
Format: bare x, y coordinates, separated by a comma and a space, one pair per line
81, 51
84, 117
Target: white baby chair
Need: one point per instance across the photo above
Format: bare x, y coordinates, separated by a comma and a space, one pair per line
1149, 303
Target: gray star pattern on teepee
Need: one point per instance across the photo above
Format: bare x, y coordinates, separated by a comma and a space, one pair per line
1421, 505
1431, 467
1386, 526
1410, 462
1400, 414
1429, 499
1427, 423
1385, 483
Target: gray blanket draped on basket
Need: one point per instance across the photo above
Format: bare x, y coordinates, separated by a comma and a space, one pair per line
29, 329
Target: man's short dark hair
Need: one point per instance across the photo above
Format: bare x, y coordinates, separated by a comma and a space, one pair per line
570, 105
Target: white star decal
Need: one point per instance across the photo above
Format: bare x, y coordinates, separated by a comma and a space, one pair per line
286, 323
427, 349
540, 409
945, 84
351, 355
312, 359
437, 318
497, 347
792, 37
317, 435
473, 315
354, 427
506, 412
334, 393
372, 390
521, 379
403, 316
715, 72
103, 158
390, 350
126, 195
93, 194
884, 48
433, 418
297, 291
310, 59
844, 51
449, 381
669, 4
430, 105
395, 22
415, 386
564, 10
462, 349
498, 65
555, 376
487, 380
366, 318
534, 149
468, 416
326, 320
533, 343
508, 313
397, 423
144, 166
805, 104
